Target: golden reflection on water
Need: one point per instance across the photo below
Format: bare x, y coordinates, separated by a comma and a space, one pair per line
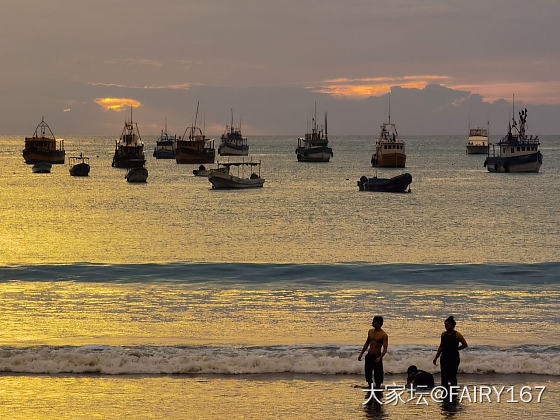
244, 396
128, 314
305, 213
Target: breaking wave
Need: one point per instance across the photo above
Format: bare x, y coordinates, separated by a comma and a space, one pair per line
328, 360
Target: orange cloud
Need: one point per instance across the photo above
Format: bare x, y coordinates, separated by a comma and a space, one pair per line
374, 86
116, 104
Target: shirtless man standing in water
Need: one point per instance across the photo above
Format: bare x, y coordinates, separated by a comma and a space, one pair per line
377, 341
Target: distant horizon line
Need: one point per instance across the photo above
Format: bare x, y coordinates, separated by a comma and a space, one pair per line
215, 136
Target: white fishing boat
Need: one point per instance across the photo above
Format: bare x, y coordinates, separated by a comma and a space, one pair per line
477, 144
516, 151
222, 180
232, 142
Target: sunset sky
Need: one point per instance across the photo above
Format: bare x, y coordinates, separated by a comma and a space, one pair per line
81, 62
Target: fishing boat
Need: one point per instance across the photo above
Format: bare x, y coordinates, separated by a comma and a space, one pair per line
477, 144
42, 168
516, 151
397, 184
233, 143
194, 147
165, 145
203, 171
225, 179
79, 165
129, 149
43, 147
389, 149
137, 175
314, 146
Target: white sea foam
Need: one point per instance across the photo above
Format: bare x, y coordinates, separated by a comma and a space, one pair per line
293, 359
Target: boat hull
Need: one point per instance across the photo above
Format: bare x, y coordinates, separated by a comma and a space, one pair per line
137, 175
206, 172
194, 157
80, 169
221, 180
397, 184
42, 168
34, 156
525, 163
164, 154
388, 160
314, 154
227, 150
477, 150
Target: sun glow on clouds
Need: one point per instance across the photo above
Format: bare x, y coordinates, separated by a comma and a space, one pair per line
116, 104
374, 86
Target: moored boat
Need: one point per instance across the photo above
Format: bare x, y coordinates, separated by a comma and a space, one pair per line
477, 144
517, 152
79, 165
129, 149
42, 168
389, 149
232, 142
43, 147
396, 184
226, 180
194, 147
314, 146
165, 145
137, 175
203, 171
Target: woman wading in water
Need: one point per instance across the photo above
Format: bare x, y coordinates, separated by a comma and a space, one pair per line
449, 351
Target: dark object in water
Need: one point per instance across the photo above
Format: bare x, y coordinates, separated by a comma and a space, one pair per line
42, 167
79, 165
200, 171
398, 183
137, 175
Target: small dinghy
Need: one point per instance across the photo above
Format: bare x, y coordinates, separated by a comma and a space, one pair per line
137, 175
397, 184
79, 165
203, 171
42, 168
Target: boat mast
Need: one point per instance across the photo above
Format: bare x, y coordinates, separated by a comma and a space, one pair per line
315, 118
389, 107
326, 133
195, 119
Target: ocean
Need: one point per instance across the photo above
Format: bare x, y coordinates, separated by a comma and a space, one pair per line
173, 300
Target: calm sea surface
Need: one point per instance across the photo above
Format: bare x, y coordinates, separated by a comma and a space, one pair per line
173, 299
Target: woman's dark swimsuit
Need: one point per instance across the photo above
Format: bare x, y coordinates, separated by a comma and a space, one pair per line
449, 358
